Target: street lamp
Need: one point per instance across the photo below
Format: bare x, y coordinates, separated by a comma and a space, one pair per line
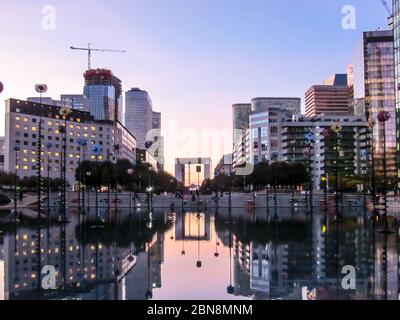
116, 150
48, 147
198, 263
64, 113
130, 172
88, 175
82, 142
17, 149
40, 88
383, 117
308, 152
97, 150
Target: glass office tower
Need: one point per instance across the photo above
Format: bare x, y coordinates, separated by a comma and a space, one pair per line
104, 93
138, 114
396, 21
374, 84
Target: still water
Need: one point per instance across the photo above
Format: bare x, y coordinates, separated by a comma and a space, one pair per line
208, 255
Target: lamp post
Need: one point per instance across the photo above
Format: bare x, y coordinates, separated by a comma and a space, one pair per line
336, 128
97, 150
198, 263
87, 175
308, 153
371, 125
82, 142
116, 150
130, 172
383, 117
64, 113
40, 88
17, 149
48, 147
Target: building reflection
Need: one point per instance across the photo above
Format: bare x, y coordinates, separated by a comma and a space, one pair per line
91, 263
279, 259
284, 256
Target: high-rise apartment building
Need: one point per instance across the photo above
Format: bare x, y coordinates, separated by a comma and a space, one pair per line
333, 97
104, 93
327, 152
374, 84
21, 129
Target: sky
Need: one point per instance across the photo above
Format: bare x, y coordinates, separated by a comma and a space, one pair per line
195, 58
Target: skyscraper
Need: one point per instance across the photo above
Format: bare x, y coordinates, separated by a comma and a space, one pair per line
138, 114
104, 93
396, 12
374, 83
332, 97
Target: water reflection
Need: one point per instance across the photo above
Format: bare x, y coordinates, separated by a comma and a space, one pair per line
228, 254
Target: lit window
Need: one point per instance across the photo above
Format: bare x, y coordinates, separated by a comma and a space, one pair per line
17, 126
34, 129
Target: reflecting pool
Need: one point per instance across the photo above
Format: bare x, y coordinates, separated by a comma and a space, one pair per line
228, 254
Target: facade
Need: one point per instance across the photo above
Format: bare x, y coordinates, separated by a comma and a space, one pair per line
156, 120
22, 119
75, 101
240, 124
374, 86
266, 135
224, 165
328, 98
45, 100
244, 136
347, 152
184, 169
293, 105
396, 20
104, 93
145, 156
241, 149
138, 114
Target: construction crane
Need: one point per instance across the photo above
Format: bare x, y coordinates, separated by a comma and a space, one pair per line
89, 50
387, 7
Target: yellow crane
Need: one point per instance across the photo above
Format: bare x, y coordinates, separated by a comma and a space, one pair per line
89, 50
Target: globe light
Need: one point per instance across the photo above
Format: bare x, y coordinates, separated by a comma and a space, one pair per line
41, 88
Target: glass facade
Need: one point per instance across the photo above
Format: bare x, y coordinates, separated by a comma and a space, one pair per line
102, 101
396, 12
138, 114
373, 82
103, 91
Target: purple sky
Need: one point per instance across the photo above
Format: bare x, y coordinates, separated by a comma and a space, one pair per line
195, 58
